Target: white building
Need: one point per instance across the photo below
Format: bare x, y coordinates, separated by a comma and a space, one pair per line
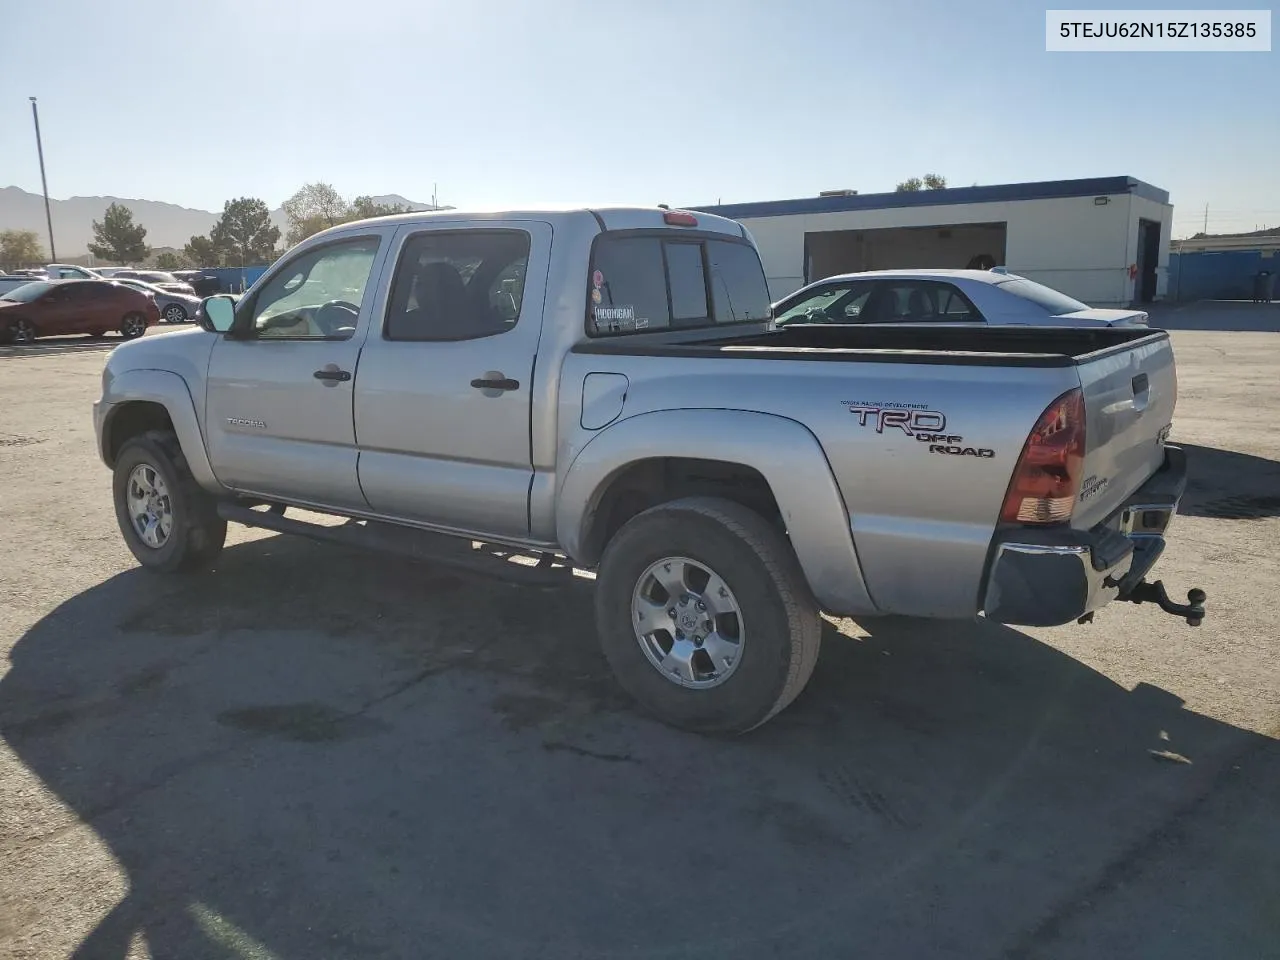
1104, 240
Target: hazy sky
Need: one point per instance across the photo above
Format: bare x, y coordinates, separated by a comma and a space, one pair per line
647, 101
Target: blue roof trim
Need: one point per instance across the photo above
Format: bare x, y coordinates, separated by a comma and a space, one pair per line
995, 193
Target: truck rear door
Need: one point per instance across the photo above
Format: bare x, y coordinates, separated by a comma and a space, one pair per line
1129, 395
443, 391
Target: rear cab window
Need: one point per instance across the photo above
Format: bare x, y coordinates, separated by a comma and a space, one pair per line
664, 279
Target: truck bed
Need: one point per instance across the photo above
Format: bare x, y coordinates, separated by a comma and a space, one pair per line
961, 345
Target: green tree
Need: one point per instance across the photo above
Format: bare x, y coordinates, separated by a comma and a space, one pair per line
245, 231
930, 181
315, 207
18, 247
203, 252
171, 261
364, 207
117, 238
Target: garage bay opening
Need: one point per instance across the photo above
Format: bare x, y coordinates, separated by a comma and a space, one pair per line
977, 246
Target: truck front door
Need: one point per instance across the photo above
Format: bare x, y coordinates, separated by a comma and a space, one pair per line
443, 399
279, 403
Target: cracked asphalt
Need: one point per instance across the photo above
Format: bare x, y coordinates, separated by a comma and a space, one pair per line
315, 753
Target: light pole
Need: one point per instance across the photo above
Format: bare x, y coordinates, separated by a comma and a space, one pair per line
48, 217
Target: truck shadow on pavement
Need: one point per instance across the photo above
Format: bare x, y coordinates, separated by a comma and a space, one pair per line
1227, 485
318, 753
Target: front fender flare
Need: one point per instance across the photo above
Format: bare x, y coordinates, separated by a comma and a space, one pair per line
170, 391
786, 454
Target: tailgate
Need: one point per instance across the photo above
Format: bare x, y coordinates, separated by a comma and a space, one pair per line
1129, 395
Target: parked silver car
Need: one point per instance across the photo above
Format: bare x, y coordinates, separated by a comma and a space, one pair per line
943, 296
174, 307
161, 279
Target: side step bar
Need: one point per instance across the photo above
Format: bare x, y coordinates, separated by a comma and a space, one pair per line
488, 560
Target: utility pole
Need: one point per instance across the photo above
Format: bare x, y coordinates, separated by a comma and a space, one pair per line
1206, 218
48, 217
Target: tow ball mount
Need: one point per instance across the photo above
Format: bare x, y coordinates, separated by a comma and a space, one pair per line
1192, 611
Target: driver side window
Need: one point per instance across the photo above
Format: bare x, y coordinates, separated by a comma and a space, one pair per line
317, 296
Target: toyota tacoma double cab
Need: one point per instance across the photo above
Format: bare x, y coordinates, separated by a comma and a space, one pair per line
536, 392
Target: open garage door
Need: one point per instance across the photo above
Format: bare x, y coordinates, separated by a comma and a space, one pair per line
950, 246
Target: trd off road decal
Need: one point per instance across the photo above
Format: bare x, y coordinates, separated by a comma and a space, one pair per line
917, 421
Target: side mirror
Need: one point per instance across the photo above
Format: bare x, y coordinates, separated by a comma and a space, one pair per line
217, 313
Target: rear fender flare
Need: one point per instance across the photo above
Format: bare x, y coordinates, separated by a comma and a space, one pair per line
786, 454
170, 391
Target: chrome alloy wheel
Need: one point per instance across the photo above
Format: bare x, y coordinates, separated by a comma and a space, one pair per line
149, 505
688, 622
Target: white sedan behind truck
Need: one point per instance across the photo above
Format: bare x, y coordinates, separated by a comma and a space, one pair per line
943, 296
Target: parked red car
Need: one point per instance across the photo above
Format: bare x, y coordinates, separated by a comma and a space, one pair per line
53, 308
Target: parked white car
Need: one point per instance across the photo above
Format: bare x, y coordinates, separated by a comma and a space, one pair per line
69, 271
943, 296
174, 307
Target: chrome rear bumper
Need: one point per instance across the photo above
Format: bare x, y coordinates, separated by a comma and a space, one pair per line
1042, 578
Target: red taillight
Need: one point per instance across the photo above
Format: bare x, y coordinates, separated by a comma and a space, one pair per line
1047, 478
678, 218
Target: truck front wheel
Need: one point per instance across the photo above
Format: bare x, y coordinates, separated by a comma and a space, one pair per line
705, 616
168, 521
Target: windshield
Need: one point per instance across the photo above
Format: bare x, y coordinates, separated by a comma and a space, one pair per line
1042, 296
28, 292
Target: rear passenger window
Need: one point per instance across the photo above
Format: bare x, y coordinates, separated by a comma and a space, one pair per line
954, 305
458, 285
649, 282
920, 301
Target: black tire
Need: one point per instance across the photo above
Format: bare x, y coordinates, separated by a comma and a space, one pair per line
175, 313
21, 331
783, 630
133, 325
197, 532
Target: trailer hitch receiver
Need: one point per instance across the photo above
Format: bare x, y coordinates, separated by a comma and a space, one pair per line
1192, 611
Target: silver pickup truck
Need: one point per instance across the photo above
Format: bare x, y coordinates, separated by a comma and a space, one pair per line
532, 392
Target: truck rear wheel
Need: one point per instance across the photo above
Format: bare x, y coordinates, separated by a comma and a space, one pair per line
705, 617
168, 521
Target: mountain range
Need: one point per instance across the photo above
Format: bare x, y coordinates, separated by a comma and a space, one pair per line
168, 225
